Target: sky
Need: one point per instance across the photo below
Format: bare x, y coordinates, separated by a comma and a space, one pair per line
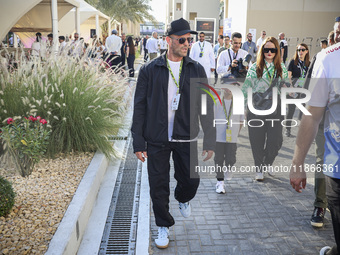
158, 9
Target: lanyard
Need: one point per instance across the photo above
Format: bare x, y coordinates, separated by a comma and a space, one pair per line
270, 75
172, 74
227, 115
201, 46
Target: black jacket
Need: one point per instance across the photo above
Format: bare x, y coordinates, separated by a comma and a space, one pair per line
150, 117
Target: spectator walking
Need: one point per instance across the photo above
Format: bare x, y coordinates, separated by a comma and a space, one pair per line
163, 45
152, 46
122, 50
250, 47
145, 49
283, 47
165, 110
36, 46
266, 73
226, 45
130, 56
226, 136
261, 39
203, 53
297, 71
113, 46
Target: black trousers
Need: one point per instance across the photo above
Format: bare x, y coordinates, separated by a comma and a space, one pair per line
225, 155
185, 159
145, 55
130, 62
113, 61
333, 197
122, 60
265, 138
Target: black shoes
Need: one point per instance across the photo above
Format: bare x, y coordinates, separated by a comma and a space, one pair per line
317, 217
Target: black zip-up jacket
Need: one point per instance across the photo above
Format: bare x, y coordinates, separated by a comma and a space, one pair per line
150, 117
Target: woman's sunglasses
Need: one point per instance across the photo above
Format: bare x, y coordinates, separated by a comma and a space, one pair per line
272, 50
182, 39
303, 50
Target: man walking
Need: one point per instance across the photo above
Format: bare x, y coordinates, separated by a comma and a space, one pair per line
145, 49
325, 99
163, 45
202, 52
113, 45
152, 46
250, 47
261, 39
122, 50
283, 47
166, 121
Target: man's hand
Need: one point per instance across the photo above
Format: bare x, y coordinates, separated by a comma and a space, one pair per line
209, 155
234, 63
141, 155
297, 177
212, 69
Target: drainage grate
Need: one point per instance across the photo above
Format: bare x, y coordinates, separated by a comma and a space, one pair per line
120, 231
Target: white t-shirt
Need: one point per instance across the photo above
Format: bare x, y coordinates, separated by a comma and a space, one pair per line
163, 44
233, 124
172, 89
325, 88
152, 45
259, 42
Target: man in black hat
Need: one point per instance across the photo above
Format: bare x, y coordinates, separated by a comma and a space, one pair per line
167, 110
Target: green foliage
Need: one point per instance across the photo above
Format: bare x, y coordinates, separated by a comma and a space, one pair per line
124, 10
81, 100
26, 141
7, 196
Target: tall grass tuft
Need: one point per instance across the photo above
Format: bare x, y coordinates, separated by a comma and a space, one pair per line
80, 99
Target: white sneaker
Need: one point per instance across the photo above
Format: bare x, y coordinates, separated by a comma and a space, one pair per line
259, 176
220, 187
271, 171
185, 209
162, 241
324, 250
228, 175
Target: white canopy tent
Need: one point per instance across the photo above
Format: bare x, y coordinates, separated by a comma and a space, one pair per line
90, 18
25, 18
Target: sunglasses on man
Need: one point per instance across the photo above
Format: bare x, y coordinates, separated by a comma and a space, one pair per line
182, 39
272, 50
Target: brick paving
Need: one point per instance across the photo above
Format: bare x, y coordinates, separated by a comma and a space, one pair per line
252, 217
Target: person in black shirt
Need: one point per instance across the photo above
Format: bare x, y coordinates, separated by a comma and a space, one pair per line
297, 71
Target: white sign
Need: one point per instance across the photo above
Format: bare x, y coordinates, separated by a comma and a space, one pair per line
227, 27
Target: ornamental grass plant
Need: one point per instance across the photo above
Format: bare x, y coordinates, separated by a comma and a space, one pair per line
81, 100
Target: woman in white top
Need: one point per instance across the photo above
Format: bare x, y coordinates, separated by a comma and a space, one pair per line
36, 46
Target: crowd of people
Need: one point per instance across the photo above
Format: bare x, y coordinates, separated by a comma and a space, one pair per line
163, 123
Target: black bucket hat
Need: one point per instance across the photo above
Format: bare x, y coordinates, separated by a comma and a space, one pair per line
179, 27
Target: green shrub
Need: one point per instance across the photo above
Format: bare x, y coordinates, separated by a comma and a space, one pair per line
81, 100
26, 141
7, 196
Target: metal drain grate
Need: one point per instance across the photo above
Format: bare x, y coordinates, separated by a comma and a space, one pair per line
120, 231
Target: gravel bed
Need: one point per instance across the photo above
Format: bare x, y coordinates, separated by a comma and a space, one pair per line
40, 203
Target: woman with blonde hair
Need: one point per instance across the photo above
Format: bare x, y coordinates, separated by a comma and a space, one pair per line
265, 136
297, 71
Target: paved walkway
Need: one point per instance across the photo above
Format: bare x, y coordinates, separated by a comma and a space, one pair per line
252, 217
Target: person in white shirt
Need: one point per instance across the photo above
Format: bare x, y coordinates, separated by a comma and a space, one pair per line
36, 45
229, 58
202, 52
260, 40
163, 45
152, 46
113, 45
62, 44
226, 135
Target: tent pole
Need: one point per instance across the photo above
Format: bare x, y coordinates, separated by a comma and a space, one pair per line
78, 20
109, 28
97, 26
54, 9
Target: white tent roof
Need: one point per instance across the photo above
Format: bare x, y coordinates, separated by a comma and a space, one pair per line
25, 18
87, 15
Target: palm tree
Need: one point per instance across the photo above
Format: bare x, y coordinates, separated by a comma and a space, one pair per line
124, 10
